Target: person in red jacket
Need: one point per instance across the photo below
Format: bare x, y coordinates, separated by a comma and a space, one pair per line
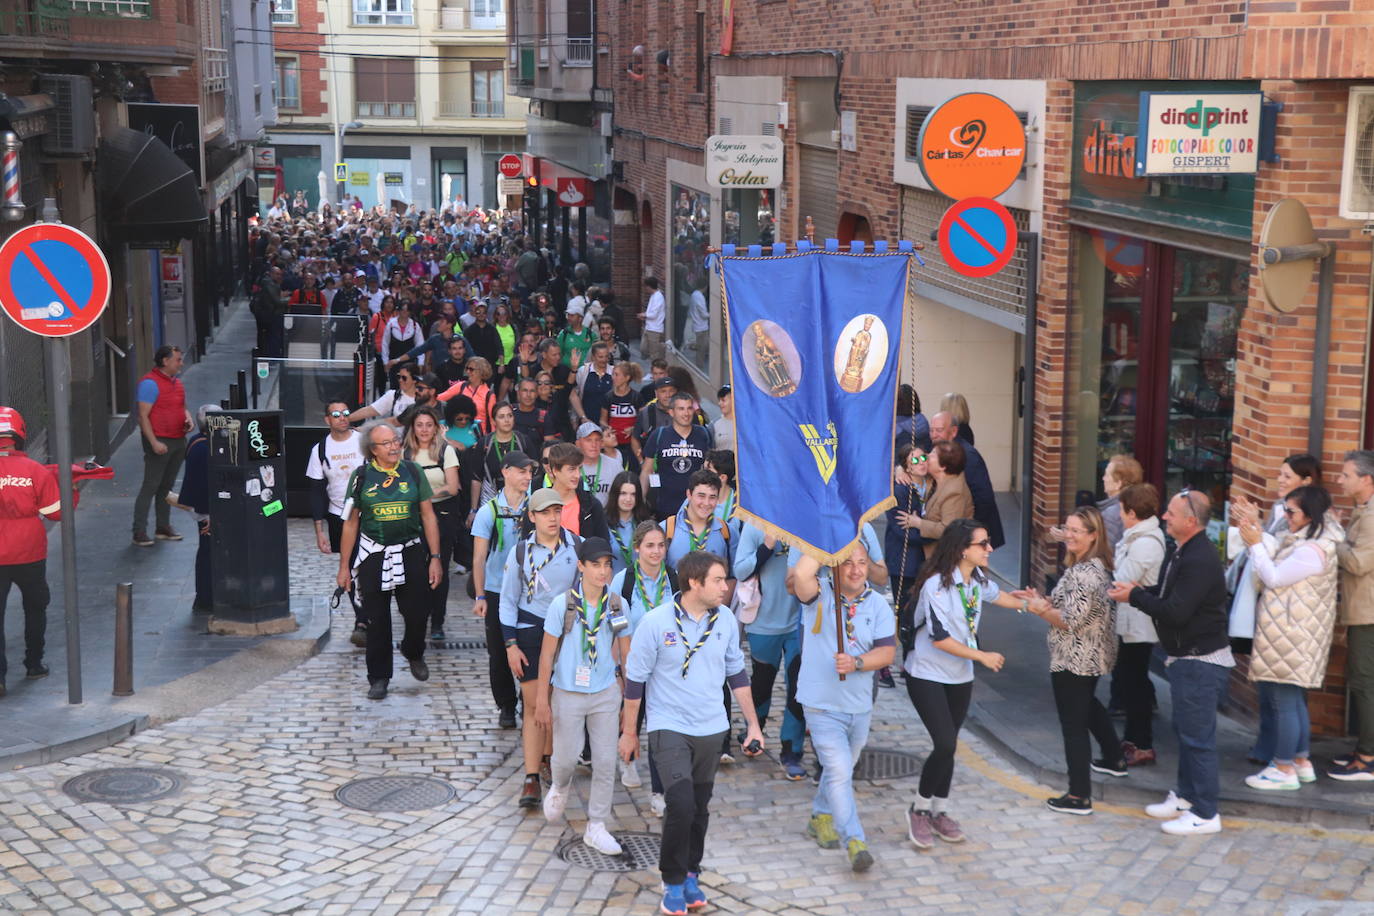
28, 494
163, 421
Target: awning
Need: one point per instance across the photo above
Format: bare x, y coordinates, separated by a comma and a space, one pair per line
147, 192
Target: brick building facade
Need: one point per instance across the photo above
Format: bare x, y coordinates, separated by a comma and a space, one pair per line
1153, 333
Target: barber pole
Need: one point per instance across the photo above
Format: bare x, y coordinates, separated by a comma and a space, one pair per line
13, 209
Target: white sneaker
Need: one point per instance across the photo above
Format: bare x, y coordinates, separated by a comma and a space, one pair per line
727, 757
1188, 823
658, 804
629, 775
1271, 777
1170, 808
460, 569
555, 800
1306, 772
598, 838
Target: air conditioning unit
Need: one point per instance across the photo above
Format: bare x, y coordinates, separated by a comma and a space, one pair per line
73, 118
1357, 169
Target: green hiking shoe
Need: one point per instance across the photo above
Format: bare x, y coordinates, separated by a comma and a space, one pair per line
821, 828
860, 859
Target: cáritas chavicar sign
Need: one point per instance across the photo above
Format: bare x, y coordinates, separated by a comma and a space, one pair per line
1199, 133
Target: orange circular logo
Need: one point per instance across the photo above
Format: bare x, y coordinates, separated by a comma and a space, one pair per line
972, 146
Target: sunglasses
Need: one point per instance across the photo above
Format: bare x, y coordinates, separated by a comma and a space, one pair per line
337, 413
985, 543
919, 459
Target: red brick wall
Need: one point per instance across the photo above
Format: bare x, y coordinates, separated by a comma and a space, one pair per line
1309, 39
306, 41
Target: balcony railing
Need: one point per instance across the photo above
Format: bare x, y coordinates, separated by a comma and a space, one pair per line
473, 108
214, 68
386, 110
40, 19
462, 17
578, 53
113, 9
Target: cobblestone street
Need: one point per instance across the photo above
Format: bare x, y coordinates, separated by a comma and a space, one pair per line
257, 829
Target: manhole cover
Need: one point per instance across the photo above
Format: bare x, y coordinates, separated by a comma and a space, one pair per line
877, 763
641, 853
395, 793
124, 785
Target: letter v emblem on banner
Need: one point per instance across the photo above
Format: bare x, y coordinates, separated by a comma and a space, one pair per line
823, 449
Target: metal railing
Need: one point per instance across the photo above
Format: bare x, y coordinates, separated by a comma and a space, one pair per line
214, 68
472, 108
42, 19
113, 9
578, 52
461, 16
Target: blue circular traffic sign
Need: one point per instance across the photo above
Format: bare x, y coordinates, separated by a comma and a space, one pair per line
977, 237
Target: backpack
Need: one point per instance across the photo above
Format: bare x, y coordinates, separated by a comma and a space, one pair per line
670, 525
567, 538
628, 589
613, 606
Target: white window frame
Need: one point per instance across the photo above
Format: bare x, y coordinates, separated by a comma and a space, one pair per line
383, 12
277, 60
285, 12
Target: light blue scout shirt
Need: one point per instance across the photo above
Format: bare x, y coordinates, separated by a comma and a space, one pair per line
687, 705
683, 542
527, 588
501, 540
573, 669
777, 608
945, 616
818, 685
656, 591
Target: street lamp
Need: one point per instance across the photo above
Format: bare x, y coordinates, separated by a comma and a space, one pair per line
338, 146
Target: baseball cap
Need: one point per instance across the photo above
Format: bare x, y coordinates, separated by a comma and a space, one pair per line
588, 429
517, 460
576, 310
544, 498
723, 391
665, 382
593, 549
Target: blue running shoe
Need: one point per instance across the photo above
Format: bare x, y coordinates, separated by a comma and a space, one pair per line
674, 904
792, 768
691, 892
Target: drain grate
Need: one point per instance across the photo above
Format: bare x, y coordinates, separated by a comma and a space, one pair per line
124, 785
641, 853
876, 764
452, 644
395, 793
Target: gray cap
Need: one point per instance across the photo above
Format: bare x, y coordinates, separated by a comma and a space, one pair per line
588, 429
544, 498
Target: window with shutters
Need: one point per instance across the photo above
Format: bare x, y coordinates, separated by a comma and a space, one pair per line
384, 87
383, 12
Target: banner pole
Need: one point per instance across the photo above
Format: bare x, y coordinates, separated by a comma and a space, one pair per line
839, 617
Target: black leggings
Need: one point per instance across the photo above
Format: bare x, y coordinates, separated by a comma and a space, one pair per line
1082, 714
1137, 692
942, 708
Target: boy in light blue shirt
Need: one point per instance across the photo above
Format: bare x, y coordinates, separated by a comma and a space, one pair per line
680, 654
836, 688
696, 525
774, 641
578, 689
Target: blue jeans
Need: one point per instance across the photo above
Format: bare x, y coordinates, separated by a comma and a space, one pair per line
771, 653
838, 738
1197, 688
1289, 728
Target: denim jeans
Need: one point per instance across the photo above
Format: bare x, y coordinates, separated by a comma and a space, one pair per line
1289, 729
838, 738
1197, 687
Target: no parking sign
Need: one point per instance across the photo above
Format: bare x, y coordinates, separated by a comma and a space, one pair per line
977, 237
54, 280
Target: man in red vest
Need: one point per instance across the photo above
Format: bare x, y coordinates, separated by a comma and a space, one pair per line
28, 493
163, 421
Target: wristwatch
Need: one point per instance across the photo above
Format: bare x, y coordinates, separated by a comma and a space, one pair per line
858, 662
435, 556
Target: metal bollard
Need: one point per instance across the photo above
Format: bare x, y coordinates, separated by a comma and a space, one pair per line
124, 640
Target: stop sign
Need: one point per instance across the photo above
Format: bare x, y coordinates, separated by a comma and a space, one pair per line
510, 165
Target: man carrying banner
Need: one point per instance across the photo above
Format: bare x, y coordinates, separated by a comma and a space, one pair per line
850, 634
680, 654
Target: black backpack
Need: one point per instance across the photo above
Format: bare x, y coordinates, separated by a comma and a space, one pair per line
628, 589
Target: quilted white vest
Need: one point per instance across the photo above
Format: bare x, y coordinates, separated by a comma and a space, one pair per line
1295, 623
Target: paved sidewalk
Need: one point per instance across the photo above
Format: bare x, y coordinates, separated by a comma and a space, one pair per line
257, 828
169, 641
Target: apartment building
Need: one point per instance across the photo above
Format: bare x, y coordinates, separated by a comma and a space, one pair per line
410, 98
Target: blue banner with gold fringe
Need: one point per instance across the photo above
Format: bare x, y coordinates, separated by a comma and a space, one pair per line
814, 344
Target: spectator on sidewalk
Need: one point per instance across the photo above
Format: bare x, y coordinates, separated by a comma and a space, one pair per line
269, 310
653, 317
1139, 553
164, 422
1356, 558
951, 499
194, 496
943, 428
956, 405
1189, 608
28, 494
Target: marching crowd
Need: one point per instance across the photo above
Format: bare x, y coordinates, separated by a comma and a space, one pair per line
591, 508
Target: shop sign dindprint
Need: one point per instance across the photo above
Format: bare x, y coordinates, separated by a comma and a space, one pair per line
1198, 133
743, 162
973, 145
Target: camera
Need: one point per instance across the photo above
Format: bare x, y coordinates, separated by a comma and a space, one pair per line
619, 623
